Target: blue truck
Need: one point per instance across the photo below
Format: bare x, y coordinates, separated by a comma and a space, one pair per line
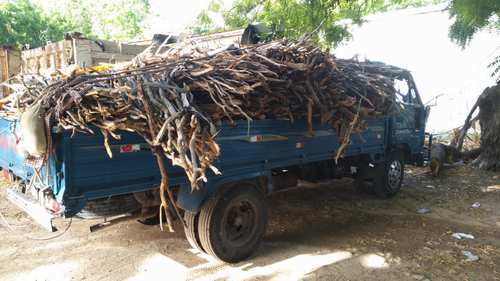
227, 216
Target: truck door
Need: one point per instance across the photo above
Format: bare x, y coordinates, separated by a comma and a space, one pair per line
409, 122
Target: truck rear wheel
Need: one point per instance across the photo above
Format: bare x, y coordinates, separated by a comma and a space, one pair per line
191, 231
231, 224
389, 182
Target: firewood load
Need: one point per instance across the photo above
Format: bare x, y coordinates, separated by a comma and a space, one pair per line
176, 97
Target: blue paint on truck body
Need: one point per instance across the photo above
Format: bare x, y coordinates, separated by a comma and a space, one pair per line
80, 170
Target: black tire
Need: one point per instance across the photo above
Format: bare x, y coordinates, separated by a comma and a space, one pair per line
107, 207
191, 231
231, 224
391, 178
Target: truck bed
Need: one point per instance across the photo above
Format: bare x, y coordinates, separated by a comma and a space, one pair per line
80, 169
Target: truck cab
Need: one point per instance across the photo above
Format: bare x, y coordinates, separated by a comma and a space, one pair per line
409, 124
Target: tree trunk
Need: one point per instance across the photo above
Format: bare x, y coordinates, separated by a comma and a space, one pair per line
489, 119
463, 132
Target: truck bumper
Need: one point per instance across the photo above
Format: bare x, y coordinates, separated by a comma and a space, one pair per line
32, 208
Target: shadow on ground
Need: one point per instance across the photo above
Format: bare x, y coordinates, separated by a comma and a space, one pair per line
328, 232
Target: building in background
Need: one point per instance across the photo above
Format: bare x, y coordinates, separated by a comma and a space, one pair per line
79, 51
10, 65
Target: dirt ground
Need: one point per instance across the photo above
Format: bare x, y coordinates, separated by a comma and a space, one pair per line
328, 232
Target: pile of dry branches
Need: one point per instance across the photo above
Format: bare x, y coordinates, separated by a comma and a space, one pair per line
176, 99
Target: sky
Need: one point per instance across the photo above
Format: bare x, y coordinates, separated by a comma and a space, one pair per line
415, 39
174, 16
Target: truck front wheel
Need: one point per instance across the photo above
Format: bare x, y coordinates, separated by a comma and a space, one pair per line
232, 223
389, 182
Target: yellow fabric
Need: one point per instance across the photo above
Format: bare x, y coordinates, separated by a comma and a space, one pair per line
87, 70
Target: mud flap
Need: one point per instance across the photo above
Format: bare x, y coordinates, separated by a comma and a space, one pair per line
191, 200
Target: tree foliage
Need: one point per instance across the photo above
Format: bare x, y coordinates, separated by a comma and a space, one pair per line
292, 18
36, 22
470, 17
110, 19
22, 22
495, 66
